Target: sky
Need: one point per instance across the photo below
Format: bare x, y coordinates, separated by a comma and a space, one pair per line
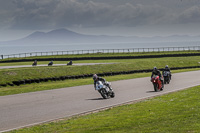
19, 18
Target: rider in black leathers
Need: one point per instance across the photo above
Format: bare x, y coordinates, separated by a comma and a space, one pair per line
50, 63
157, 72
168, 70
69, 63
97, 78
34, 63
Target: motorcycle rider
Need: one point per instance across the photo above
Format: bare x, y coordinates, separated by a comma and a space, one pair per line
97, 78
69, 63
157, 72
51, 62
168, 70
35, 63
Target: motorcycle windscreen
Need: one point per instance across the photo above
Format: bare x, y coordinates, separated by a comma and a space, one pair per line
99, 85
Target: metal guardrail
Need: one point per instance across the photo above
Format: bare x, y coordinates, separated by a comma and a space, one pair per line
128, 50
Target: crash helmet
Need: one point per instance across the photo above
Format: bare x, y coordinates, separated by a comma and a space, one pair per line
155, 68
166, 66
95, 77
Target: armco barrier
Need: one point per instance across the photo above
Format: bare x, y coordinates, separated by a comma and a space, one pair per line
93, 51
29, 81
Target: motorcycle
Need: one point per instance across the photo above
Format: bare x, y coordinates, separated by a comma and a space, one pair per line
50, 64
166, 75
69, 63
105, 89
157, 83
34, 64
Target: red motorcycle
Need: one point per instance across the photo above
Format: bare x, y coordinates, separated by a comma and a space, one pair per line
157, 83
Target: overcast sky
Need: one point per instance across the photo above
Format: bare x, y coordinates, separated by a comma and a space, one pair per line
19, 18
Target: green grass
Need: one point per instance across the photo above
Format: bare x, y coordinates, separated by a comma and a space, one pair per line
10, 90
15, 74
61, 84
175, 113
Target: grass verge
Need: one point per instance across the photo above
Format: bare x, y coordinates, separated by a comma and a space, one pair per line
174, 112
10, 90
16, 74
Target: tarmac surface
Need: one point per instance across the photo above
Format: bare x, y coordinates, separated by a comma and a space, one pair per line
27, 109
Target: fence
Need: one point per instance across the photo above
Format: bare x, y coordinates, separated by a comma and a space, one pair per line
93, 51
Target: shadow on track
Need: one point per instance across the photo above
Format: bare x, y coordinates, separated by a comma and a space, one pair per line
95, 99
150, 91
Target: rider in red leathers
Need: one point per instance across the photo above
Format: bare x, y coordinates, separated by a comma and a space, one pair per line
157, 72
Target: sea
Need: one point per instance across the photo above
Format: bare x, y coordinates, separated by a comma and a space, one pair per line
16, 49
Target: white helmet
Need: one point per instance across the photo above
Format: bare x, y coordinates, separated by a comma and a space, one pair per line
95, 77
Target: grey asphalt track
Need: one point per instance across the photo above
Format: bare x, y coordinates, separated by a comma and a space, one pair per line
22, 110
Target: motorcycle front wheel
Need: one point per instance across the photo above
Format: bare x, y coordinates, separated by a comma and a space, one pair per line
103, 93
112, 95
155, 87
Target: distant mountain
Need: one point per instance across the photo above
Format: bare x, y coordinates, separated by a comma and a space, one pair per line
55, 34
64, 36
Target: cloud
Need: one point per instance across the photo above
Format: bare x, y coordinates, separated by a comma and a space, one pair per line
50, 14
191, 15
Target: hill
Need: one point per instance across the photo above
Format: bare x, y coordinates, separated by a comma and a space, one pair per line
64, 36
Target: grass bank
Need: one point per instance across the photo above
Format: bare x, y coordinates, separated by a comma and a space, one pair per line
174, 112
10, 90
16, 74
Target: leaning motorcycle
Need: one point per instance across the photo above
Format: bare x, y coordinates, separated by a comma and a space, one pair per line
34, 64
50, 64
157, 83
105, 89
166, 75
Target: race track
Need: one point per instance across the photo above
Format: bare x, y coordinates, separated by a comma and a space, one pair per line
33, 108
